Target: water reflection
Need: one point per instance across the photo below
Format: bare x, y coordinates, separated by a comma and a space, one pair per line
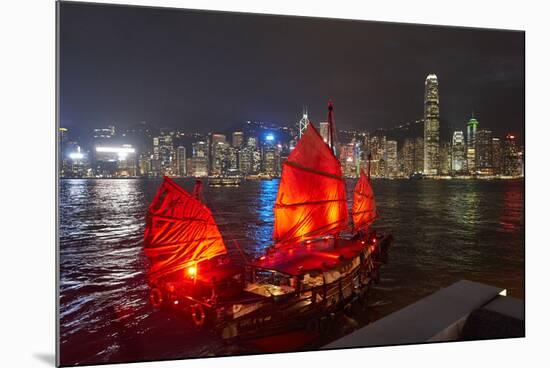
261, 230
444, 231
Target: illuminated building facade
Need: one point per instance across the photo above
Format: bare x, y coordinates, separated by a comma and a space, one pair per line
458, 159
431, 125
181, 161
511, 165
408, 153
483, 152
445, 158
303, 123
200, 159
115, 161
163, 155
471, 131
390, 158
496, 155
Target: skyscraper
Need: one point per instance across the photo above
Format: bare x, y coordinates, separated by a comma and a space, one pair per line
200, 159
483, 148
471, 131
237, 139
302, 124
431, 125
511, 165
458, 161
412, 156
181, 161
390, 158
496, 156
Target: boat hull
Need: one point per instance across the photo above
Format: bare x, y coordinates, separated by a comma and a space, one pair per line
244, 315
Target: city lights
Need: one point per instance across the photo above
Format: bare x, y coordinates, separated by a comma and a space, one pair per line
76, 156
119, 150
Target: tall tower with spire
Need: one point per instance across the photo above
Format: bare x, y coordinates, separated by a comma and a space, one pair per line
303, 123
431, 125
471, 133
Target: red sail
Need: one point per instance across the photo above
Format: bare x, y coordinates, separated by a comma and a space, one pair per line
312, 194
364, 206
180, 231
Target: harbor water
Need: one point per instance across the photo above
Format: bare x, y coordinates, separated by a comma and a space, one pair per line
444, 231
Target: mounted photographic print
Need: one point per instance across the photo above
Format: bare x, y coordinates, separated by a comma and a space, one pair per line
236, 184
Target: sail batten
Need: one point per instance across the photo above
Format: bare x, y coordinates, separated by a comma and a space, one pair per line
180, 231
311, 201
364, 205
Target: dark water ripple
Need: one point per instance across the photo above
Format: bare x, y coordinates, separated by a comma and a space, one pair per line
444, 231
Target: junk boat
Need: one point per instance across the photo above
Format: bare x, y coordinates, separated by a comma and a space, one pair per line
318, 267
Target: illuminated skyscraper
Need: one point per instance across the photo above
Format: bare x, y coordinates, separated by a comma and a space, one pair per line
431, 125
181, 161
445, 158
483, 148
164, 154
412, 154
511, 164
200, 159
303, 123
496, 156
458, 160
471, 131
390, 158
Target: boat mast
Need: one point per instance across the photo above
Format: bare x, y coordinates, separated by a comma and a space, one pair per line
331, 126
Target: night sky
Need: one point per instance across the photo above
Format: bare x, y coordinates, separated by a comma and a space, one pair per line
204, 71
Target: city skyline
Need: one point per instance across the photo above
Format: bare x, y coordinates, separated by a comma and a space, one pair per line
372, 71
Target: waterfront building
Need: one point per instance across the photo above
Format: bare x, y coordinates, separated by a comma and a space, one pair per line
270, 158
218, 155
511, 164
189, 166
164, 154
181, 161
496, 156
412, 156
115, 161
471, 131
230, 160
144, 165
349, 159
483, 152
256, 161
199, 160
246, 160
458, 153
76, 164
445, 158
377, 149
390, 158
431, 125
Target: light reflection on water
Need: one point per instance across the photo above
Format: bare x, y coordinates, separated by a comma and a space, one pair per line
444, 231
